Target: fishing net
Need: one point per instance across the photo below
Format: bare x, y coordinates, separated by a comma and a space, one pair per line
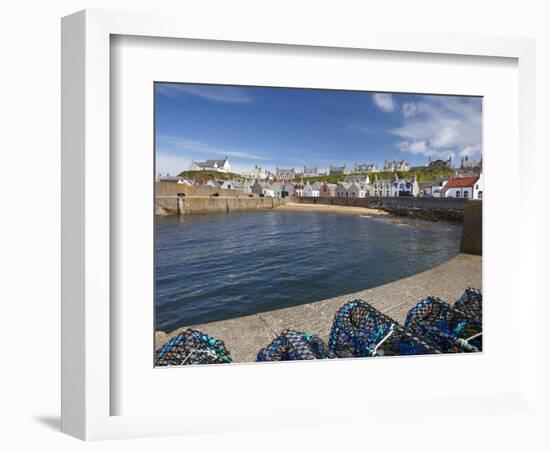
361, 330
192, 347
470, 303
293, 345
444, 327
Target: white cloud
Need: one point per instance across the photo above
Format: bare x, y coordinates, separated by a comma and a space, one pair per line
201, 148
227, 94
410, 109
441, 127
385, 102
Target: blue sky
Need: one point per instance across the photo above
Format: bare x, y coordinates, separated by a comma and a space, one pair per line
284, 127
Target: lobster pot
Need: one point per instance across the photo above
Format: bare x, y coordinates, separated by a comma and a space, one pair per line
361, 330
293, 345
401, 343
444, 327
470, 303
192, 347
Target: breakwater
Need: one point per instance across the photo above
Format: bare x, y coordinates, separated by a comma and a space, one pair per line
429, 208
180, 204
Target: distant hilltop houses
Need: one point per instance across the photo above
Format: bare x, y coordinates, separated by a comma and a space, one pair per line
337, 170
396, 166
440, 163
366, 180
310, 172
471, 165
217, 165
364, 167
285, 174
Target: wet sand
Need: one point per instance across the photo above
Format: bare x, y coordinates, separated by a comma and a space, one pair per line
331, 209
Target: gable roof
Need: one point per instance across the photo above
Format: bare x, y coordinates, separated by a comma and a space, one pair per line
344, 185
461, 182
211, 163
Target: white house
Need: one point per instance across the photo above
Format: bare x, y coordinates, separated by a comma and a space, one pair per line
342, 189
277, 189
464, 187
212, 183
310, 191
236, 185
174, 180
216, 165
381, 188
268, 193
405, 188
432, 188
357, 190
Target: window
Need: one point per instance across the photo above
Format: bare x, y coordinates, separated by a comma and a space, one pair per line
457, 194
465, 194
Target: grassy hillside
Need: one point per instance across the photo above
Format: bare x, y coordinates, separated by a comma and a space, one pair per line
422, 174
205, 175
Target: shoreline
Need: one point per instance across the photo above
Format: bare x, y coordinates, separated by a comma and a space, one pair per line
308, 207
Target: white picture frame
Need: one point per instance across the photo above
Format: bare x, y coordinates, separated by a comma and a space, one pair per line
87, 328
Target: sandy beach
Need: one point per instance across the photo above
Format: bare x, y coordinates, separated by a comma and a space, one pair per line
331, 209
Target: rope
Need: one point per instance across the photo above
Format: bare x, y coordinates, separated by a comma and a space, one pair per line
474, 336
384, 339
198, 350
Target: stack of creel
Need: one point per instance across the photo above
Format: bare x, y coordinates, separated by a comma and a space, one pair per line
361, 330
192, 347
471, 303
444, 327
293, 345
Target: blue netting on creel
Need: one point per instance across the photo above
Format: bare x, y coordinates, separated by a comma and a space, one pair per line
444, 327
471, 303
293, 345
361, 330
192, 347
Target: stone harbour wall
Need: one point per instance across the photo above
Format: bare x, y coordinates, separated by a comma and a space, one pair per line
175, 205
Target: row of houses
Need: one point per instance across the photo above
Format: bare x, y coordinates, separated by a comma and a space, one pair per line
356, 186
468, 185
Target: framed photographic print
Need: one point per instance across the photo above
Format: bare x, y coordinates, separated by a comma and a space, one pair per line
265, 249
253, 218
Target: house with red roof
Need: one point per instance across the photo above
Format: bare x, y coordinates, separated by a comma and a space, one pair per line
470, 187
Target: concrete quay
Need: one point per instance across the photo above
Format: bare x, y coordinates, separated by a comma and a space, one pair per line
245, 336
181, 205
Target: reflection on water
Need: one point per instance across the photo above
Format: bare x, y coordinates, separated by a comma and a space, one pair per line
220, 266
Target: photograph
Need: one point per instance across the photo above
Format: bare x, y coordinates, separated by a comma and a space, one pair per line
295, 224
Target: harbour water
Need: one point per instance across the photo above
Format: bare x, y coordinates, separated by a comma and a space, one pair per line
219, 266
